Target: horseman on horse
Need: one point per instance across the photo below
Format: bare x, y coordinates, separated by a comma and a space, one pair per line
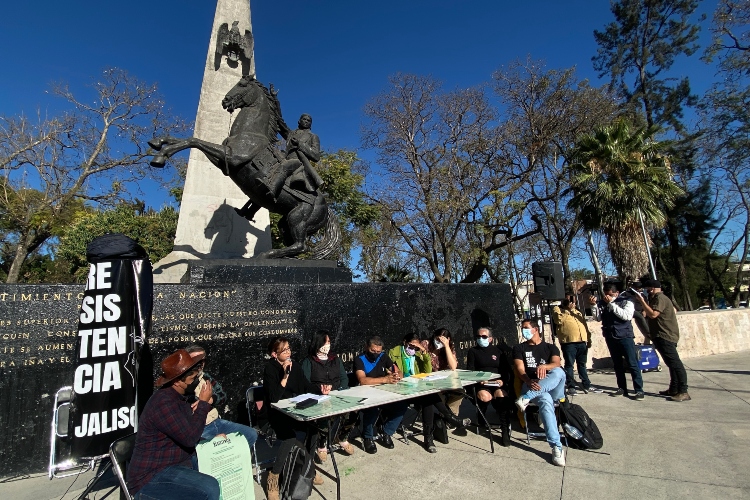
283, 183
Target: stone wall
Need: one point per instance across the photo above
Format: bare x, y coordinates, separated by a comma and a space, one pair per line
701, 333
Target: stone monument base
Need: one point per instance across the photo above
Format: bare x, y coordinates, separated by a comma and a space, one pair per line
266, 271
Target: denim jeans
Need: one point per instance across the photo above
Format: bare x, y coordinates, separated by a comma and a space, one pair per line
221, 426
180, 483
625, 348
677, 374
576, 352
553, 389
393, 414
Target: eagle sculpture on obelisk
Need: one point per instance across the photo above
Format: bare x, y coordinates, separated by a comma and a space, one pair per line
209, 226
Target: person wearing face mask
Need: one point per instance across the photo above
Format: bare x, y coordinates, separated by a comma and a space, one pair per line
168, 431
485, 357
412, 359
326, 370
665, 333
283, 379
616, 312
537, 364
443, 357
374, 367
575, 341
215, 425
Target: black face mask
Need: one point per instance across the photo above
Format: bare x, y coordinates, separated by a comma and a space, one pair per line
371, 357
190, 389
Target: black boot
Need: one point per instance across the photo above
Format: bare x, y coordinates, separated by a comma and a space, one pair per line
505, 428
429, 444
454, 421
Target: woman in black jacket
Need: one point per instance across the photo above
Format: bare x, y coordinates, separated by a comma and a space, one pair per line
326, 371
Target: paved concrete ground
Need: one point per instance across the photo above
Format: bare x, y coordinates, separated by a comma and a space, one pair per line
652, 449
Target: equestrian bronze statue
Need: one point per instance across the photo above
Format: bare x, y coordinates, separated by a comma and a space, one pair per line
283, 183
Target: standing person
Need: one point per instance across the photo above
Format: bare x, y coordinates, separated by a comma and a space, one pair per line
412, 359
371, 368
575, 341
442, 353
326, 370
215, 425
283, 379
665, 334
537, 364
486, 357
615, 314
168, 430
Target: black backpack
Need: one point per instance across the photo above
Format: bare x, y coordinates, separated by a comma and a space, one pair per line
580, 429
298, 472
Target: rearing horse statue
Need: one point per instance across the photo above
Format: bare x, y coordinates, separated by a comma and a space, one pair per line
249, 158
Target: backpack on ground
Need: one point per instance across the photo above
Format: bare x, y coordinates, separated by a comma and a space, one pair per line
580, 429
297, 473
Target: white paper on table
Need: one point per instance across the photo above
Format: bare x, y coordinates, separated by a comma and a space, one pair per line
302, 397
229, 461
436, 376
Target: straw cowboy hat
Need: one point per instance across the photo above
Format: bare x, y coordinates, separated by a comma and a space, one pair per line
177, 364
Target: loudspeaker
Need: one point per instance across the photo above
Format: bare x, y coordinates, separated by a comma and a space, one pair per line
548, 280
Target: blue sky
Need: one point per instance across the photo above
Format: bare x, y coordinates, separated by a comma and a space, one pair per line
327, 58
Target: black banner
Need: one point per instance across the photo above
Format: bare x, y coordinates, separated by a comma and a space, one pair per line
113, 323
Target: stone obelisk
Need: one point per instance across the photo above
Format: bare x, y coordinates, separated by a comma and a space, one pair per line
208, 226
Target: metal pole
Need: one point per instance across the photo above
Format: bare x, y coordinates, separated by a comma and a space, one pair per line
648, 248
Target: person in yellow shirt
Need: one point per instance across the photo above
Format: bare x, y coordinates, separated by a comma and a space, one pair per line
575, 340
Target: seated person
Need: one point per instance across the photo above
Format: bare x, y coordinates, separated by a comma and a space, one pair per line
215, 425
283, 379
412, 359
168, 430
537, 364
371, 368
326, 371
486, 357
443, 357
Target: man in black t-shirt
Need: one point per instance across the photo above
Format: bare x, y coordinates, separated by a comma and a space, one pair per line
375, 367
489, 358
537, 364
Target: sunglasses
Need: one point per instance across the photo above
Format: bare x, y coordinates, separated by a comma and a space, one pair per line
483, 336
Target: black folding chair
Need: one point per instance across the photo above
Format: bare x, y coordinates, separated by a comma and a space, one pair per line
266, 447
120, 453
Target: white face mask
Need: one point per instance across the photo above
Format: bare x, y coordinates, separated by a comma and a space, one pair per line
323, 351
438, 345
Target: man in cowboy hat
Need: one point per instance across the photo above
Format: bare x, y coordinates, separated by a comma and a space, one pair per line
168, 430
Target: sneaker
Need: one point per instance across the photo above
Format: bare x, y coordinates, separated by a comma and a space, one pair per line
683, 396
572, 391
618, 392
668, 392
522, 403
322, 454
593, 389
558, 458
370, 446
639, 396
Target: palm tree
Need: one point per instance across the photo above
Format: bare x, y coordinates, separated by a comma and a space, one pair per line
618, 171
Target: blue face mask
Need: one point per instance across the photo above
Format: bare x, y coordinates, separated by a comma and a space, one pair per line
483, 342
526, 333
410, 351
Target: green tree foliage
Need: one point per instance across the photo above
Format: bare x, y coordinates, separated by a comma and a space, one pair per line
154, 231
619, 171
90, 154
546, 110
640, 46
725, 111
344, 175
